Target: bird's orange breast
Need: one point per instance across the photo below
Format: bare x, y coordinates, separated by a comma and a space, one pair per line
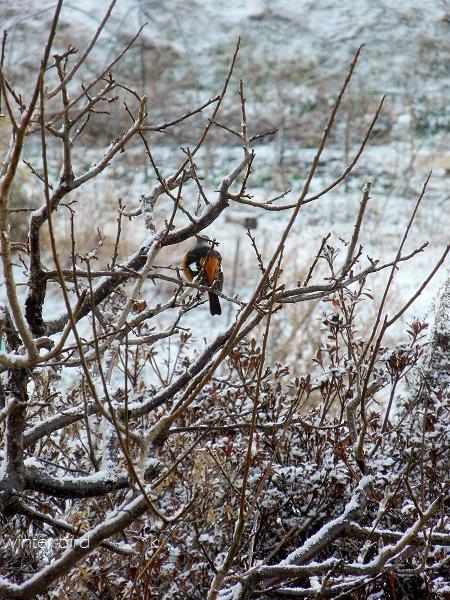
210, 269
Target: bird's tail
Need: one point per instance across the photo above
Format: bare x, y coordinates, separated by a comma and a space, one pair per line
214, 304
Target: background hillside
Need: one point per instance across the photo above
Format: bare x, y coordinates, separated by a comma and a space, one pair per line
292, 53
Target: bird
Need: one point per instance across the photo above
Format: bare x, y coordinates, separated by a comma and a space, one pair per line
205, 261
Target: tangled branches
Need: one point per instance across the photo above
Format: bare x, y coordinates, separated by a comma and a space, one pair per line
223, 476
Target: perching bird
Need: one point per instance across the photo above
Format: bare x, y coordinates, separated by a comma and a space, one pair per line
205, 261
